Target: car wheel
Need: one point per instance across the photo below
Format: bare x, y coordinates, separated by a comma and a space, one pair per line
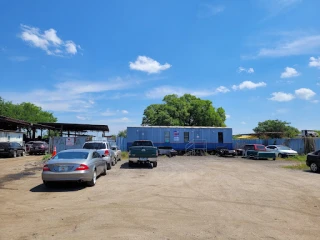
108, 166
314, 167
104, 170
14, 154
23, 153
93, 180
155, 164
113, 162
280, 155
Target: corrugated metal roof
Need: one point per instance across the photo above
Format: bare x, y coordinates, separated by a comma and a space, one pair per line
178, 127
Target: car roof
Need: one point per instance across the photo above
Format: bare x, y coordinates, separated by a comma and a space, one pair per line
79, 150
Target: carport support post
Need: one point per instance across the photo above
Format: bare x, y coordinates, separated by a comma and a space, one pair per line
33, 133
68, 133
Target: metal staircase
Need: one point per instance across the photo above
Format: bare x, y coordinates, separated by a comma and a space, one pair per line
195, 147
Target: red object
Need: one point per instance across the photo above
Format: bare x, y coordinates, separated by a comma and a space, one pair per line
45, 168
54, 151
106, 152
82, 167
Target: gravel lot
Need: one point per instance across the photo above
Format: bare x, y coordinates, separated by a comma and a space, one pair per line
183, 198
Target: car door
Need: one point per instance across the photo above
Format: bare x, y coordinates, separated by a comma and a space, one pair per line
98, 162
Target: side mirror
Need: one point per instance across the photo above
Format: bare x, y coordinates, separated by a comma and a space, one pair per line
103, 156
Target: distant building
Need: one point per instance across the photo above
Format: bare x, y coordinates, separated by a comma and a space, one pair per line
11, 136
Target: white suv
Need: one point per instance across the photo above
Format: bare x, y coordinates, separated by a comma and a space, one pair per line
104, 149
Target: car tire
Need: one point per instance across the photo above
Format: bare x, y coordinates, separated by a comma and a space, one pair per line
155, 164
113, 162
93, 180
108, 166
130, 164
280, 155
314, 167
14, 154
104, 170
23, 154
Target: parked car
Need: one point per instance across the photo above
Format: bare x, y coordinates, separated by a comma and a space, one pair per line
104, 149
223, 151
37, 147
281, 150
257, 151
256, 147
11, 149
143, 151
168, 151
77, 165
313, 161
117, 152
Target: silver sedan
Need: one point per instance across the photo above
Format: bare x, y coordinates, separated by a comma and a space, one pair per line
78, 165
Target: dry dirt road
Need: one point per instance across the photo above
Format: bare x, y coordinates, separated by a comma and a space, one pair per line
183, 198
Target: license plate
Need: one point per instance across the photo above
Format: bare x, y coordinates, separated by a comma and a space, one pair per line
143, 159
63, 168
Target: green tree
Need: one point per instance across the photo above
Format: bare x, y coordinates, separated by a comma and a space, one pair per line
275, 129
122, 133
186, 110
25, 111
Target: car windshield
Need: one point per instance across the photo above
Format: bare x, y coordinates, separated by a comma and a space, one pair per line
142, 143
94, 146
283, 148
71, 155
260, 147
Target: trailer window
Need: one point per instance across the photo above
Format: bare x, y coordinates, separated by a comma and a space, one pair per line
220, 137
167, 136
186, 136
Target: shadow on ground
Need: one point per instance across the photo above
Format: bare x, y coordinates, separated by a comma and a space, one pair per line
59, 187
125, 165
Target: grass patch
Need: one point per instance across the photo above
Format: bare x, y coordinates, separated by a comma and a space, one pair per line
46, 157
124, 155
300, 162
298, 166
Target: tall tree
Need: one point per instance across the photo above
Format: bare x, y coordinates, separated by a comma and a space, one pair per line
186, 110
122, 133
276, 129
25, 111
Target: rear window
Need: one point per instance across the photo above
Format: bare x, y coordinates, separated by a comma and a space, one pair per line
94, 146
260, 147
72, 155
38, 144
142, 143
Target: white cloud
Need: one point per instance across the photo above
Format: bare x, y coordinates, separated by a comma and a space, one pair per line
81, 118
208, 10
242, 69
305, 93
299, 46
315, 101
146, 64
47, 41
228, 116
281, 97
160, 92
124, 111
289, 72
222, 89
71, 47
314, 62
18, 58
108, 113
243, 123
248, 85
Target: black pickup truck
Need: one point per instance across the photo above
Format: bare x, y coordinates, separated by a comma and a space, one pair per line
143, 151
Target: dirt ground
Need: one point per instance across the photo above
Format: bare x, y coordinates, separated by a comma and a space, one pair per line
183, 198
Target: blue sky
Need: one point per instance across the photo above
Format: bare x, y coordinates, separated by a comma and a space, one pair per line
104, 62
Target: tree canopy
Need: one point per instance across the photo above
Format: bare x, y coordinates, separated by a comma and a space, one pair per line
186, 110
276, 129
122, 133
25, 111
